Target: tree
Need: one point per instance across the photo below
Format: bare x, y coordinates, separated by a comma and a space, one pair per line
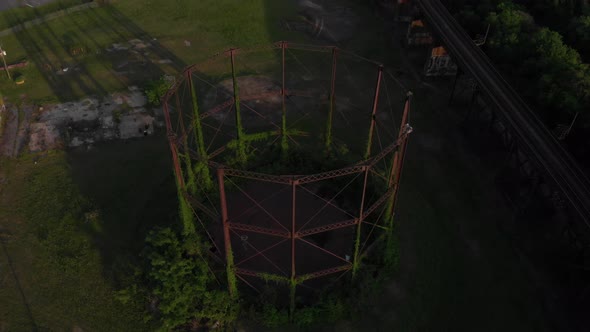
509, 33
182, 282
564, 81
579, 35
156, 89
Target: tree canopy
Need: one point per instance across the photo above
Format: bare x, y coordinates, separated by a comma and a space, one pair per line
558, 80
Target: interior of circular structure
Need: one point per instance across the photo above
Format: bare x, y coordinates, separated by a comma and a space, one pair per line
319, 129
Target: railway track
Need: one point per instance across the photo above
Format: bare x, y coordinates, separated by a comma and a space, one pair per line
531, 133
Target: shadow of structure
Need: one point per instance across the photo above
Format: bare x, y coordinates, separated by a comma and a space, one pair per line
130, 182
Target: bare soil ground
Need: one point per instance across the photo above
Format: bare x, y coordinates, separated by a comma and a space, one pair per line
85, 122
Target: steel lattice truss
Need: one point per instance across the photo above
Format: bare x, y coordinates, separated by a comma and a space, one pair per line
289, 227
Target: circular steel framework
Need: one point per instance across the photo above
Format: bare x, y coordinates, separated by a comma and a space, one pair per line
289, 157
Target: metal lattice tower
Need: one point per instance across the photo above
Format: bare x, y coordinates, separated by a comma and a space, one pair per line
290, 158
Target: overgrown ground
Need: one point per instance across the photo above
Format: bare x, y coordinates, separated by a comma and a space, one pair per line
51, 275
457, 270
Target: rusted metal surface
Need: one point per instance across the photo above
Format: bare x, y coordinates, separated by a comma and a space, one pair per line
326, 228
374, 112
324, 273
287, 230
226, 235
293, 225
258, 229
331, 174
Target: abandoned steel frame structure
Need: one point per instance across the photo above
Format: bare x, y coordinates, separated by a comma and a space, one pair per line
183, 153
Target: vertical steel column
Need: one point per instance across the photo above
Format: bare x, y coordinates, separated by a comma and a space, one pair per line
284, 145
196, 118
191, 187
293, 284
229, 256
398, 157
203, 169
171, 141
241, 150
332, 100
373, 112
357, 242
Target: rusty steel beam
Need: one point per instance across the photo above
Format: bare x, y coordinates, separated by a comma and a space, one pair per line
293, 225
322, 249
255, 201
390, 148
395, 166
359, 226
258, 229
217, 108
261, 252
262, 275
374, 112
292, 283
283, 105
217, 152
258, 176
247, 272
184, 137
201, 206
326, 228
173, 89
329, 202
380, 201
332, 174
247, 283
172, 142
377, 174
254, 207
323, 273
229, 258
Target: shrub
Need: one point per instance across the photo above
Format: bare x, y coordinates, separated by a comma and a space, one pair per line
155, 90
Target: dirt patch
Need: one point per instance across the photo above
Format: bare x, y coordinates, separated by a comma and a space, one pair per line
267, 106
85, 122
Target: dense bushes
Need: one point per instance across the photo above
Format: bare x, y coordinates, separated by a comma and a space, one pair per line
178, 285
156, 89
549, 73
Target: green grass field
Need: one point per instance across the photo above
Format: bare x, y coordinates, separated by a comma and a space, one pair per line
209, 26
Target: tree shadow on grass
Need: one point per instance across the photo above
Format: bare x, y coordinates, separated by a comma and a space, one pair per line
67, 78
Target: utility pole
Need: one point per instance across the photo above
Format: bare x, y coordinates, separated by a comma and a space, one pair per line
2, 54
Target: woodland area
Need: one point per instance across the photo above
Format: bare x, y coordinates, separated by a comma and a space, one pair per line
543, 48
